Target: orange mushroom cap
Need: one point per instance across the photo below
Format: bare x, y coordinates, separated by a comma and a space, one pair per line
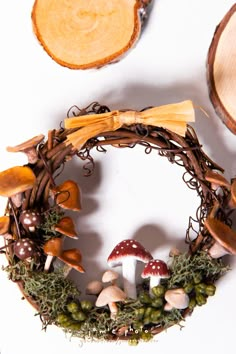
4, 224
66, 227
16, 180
72, 258
53, 247
67, 195
222, 233
217, 179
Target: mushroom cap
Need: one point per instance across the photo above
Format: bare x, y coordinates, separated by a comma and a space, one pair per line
94, 287
30, 218
27, 144
155, 268
109, 275
110, 294
128, 249
222, 233
67, 195
53, 247
216, 178
177, 298
4, 224
66, 227
24, 248
16, 180
72, 258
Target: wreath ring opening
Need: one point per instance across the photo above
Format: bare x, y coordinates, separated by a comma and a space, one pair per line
35, 224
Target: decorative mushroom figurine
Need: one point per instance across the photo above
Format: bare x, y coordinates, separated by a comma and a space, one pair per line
30, 219
216, 180
110, 276
127, 253
224, 236
29, 148
109, 296
155, 270
24, 249
52, 248
4, 224
176, 298
94, 287
72, 259
67, 195
14, 181
66, 227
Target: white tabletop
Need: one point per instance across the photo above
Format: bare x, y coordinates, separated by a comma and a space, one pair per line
130, 195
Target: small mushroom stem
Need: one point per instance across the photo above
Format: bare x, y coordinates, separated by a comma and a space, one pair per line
32, 155
113, 309
128, 272
168, 307
66, 270
217, 251
154, 281
17, 199
48, 263
15, 218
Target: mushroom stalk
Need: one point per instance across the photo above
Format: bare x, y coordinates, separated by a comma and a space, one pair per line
66, 270
113, 309
154, 281
217, 251
48, 263
128, 273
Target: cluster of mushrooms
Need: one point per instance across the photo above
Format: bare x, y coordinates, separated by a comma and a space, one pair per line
20, 229
20, 225
126, 254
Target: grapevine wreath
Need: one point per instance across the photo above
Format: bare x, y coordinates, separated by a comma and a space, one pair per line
36, 223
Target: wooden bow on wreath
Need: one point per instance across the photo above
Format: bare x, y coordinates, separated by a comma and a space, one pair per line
173, 117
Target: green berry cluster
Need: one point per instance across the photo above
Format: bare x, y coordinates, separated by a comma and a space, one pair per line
199, 291
74, 316
152, 309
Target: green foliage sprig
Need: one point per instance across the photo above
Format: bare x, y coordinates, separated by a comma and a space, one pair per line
185, 268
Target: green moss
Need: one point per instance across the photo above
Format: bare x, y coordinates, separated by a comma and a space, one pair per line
51, 292
186, 270
50, 219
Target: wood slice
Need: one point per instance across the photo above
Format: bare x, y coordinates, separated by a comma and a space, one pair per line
82, 34
221, 70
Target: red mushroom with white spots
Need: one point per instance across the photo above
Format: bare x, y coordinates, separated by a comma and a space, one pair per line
156, 270
126, 254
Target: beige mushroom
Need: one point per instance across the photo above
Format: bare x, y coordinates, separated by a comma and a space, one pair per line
109, 296
94, 287
225, 238
110, 276
174, 252
176, 298
29, 148
14, 181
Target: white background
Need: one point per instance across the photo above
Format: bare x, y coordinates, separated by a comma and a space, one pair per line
130, 195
